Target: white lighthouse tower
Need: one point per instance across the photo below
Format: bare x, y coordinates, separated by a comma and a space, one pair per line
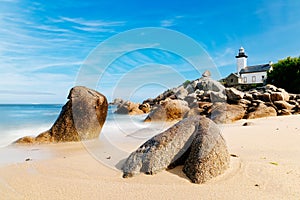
241, 60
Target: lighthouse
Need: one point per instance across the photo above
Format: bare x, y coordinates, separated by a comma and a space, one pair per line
241, 60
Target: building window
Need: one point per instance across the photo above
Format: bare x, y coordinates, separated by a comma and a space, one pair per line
253, 79
231, 80
245, 79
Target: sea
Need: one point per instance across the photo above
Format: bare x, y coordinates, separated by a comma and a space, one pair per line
19, 120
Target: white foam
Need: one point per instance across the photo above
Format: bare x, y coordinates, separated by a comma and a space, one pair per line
9, 136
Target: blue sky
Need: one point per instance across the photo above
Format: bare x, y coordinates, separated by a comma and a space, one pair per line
43, 44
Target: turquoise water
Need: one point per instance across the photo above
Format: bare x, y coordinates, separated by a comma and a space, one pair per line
19, 120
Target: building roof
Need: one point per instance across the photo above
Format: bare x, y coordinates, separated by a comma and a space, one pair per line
233, 74
256, 68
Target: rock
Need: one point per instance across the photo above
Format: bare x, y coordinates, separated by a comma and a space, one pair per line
181, 93
129, 108
276, 96
206, 74
199, 92
244, 102
193, 112
271, 87
213, 88
204, 105
150, 101
117, 101
262, 111
194, 84
191, 98
81, 118
256, 96
169, 110
195, 142
190, 89
248, 124
248, 97
208, 84
223, 113
25, 140
145, 107
266, 97
217, 97
208, 156
162, 150
257, 102
292, 96
284, 112
280, 96
173, 96
284, 93
233, 94
283, 105
293, 102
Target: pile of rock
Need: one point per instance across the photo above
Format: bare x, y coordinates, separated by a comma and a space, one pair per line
131, 108
208, 97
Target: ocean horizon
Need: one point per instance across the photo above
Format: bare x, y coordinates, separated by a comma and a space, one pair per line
19, 120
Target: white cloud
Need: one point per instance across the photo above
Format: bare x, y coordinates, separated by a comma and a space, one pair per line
167, 23
91, 23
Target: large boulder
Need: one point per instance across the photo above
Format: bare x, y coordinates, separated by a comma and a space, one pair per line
81, 118
208, 155
280, 95
168, 110
276, 96
233, 94
261, 111
195, 142
223, 113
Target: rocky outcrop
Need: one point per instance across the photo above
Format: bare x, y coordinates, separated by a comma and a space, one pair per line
207, 90
81, 118
129, 108
195, 142
168, 110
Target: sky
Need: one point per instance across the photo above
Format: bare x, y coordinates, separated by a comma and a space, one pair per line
45, 45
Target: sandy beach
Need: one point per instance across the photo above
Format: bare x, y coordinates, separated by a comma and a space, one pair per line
265, 165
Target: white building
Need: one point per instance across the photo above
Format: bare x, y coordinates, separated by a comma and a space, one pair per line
250, 74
